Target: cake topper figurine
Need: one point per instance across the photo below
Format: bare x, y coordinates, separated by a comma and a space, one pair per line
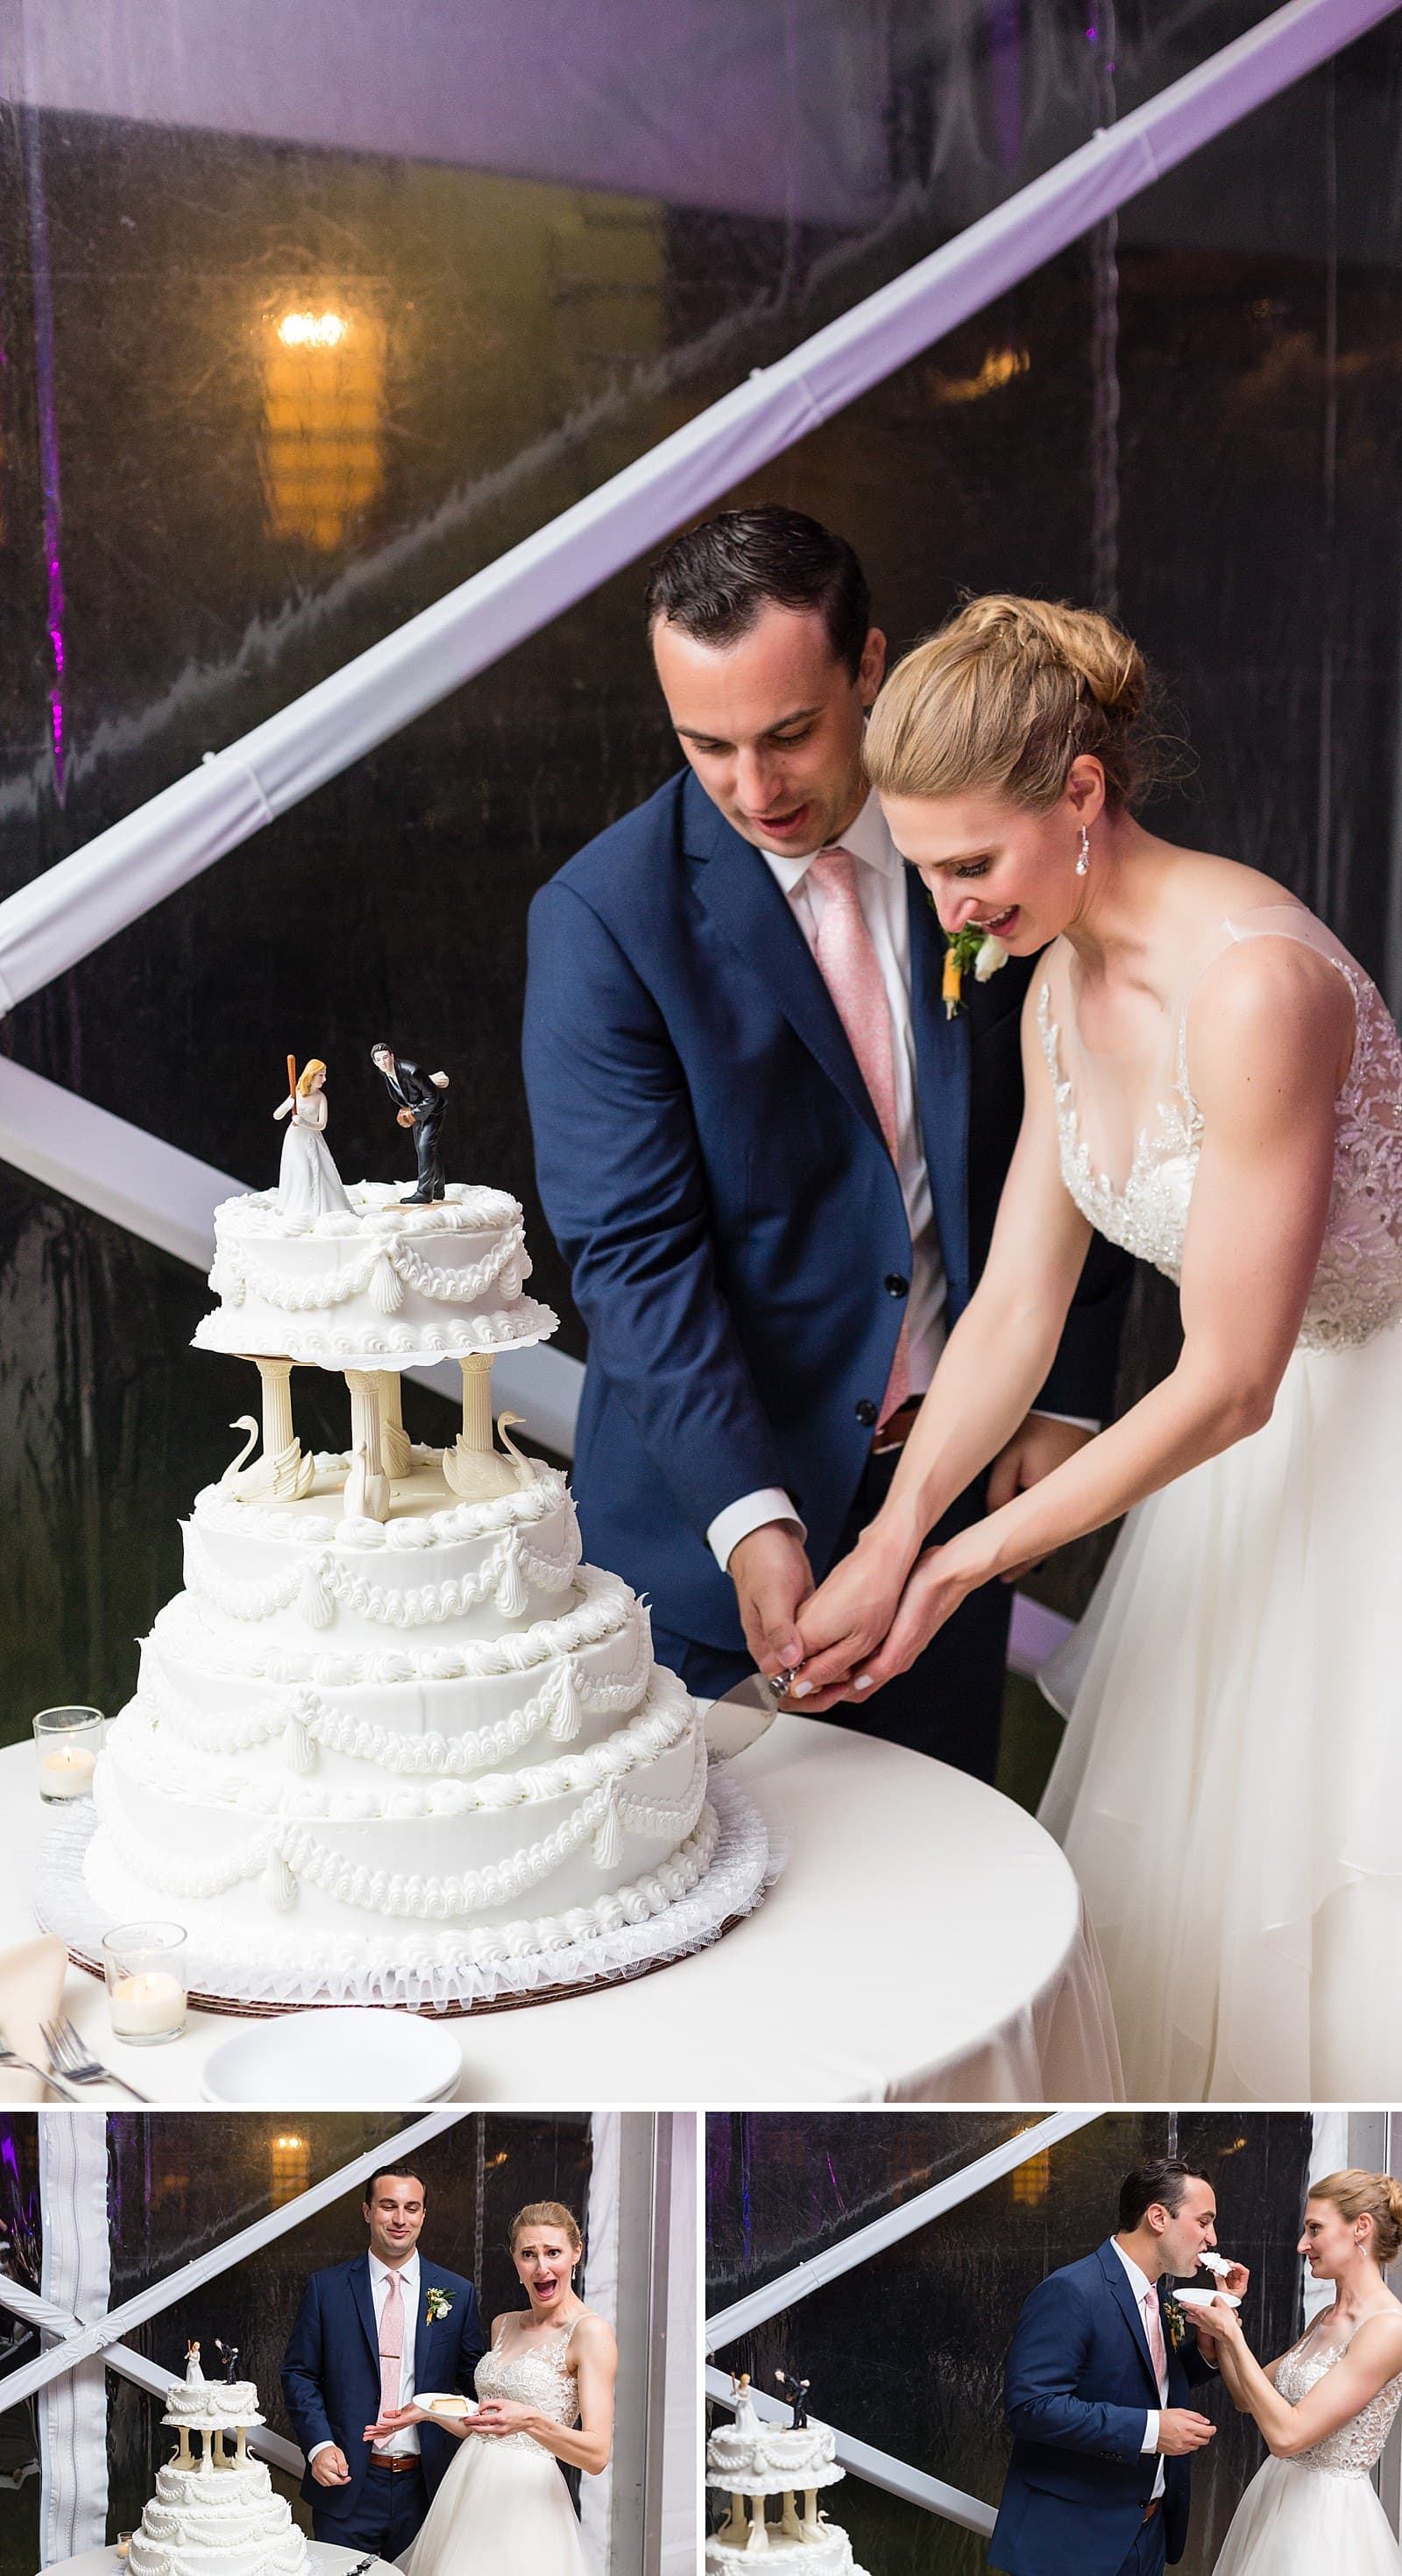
420, 1104
228, 2357
744, 2403
194, 2376
309, 1184
796, 2390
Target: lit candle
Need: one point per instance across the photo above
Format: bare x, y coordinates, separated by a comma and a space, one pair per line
147, 2005
66, 1772
123, 2546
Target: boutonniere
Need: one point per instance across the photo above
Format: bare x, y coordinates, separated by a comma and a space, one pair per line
974, 947
1175, 2321
439, 2305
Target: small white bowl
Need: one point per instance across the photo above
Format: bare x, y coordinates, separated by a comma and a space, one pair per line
361, 2058
1204, 2298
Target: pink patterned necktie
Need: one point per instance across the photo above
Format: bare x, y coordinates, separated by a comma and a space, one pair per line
1154, 2325
391, 2345
851, 970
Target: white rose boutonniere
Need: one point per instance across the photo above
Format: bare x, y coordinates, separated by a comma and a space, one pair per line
439, 2305
974, 947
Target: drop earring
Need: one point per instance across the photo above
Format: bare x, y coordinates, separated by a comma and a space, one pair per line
1083, 860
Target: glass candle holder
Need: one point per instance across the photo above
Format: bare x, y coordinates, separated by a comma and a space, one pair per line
146, 1995
68, 1742
123, 2547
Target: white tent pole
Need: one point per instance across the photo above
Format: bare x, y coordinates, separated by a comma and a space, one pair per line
133, 2365
93, 2336
878, 2468
77, 2273
64, 914
866, 2242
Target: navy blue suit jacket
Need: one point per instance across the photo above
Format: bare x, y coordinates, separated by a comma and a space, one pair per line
1077, 2386
331, 2370
714, 1172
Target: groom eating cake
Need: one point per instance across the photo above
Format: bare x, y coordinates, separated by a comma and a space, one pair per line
368, 2334
1095, 2390
769, 1154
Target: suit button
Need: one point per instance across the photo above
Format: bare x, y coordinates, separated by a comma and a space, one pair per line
896, 1286
866, 1410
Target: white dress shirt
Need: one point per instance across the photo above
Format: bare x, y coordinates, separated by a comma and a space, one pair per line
405, 2443
1140, 2283
883, 895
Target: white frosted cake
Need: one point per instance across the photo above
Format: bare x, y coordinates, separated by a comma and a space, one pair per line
392, 1725
214, 2512
753, 2462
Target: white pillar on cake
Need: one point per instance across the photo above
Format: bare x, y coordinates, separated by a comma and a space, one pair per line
473, 1468
367, 1485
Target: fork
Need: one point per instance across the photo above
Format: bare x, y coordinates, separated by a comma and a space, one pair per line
11, 2057
69, 2057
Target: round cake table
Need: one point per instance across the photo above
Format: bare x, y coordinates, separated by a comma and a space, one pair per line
925, 1942
324, 2561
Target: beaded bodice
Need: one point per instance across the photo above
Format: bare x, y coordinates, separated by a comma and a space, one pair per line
1357, 1288
531, 2374
1355, 2448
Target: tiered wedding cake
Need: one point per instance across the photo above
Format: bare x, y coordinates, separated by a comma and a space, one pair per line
750, 2461
214, 2512
394, 1742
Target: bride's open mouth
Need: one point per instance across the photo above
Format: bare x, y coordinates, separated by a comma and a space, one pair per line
1000, 924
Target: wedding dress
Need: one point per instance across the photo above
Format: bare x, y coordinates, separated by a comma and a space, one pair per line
308, 1183
1229, 1788
1299, 2517
503, 2508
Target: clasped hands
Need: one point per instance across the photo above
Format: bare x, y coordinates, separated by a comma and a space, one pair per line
883, 1603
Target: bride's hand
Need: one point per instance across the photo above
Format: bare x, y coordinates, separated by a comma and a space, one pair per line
1219, 2321
939, 1581
845, 1620
502, 2415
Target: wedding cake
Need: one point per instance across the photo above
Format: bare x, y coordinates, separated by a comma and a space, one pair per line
214, 2512
752, 2461
393, 1741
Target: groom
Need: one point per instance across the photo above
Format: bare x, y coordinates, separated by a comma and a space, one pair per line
368, 2334
770, 1157
1096, 2388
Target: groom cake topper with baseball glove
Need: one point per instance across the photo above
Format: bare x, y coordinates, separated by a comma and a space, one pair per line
420, 1103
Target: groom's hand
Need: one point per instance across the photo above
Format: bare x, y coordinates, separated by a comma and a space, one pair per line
772, 1577
1037, 1447
329, 2468
1181, 2430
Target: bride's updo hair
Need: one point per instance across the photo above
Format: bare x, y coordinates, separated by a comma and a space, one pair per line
1005, 697
1355, 2195
546, 2213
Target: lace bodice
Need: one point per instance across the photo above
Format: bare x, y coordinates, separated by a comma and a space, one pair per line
1357, 1287
533, 2374
1354, 2449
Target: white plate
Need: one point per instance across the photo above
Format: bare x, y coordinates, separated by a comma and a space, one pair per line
362, 2058
441, 2401
1204, 2298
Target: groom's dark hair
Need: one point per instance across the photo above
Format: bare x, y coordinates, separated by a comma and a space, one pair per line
1161, 2184
714, 581
393, 2173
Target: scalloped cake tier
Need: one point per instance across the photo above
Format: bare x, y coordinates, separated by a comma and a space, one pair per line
380, 1288
772, 2459
223, 2520
829, 2555
212, 2402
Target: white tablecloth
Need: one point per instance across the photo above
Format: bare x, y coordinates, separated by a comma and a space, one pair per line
924, 1943
325, 2561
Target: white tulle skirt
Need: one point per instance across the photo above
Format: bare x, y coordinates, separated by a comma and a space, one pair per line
1298, 2521
1229, 1789
503, 2509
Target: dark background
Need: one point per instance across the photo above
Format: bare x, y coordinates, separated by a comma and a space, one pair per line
181, 2182
907, 2352
1192, 416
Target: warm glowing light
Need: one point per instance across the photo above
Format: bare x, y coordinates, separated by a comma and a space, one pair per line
291, 2162
312, 330
999, 368
1032, 2181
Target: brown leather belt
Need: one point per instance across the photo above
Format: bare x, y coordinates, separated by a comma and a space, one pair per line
399, 2466
898, 1426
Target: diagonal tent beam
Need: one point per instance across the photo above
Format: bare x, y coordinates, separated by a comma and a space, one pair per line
866, 2242
877, 2468
128, 2363
97, 2333
70, 910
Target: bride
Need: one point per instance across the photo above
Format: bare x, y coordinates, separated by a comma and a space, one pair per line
309, 1184
1213, 1083
545, 2392
1326, 2407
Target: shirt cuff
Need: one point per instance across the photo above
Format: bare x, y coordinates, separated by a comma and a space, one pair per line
1151, 2433
327, 2445
751, 1512
1078, 1421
